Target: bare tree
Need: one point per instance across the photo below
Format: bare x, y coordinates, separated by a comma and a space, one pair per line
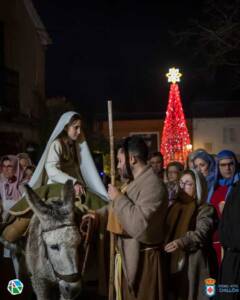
215, 37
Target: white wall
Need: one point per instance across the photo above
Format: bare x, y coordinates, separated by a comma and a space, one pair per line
216, 134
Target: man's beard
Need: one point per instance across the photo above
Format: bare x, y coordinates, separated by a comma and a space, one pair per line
125, 173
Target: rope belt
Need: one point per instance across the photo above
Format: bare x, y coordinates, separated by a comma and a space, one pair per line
118, 269
118, 276
151, 248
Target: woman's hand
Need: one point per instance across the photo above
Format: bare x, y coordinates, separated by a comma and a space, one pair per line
173, 246
79, 190
113, 192
221, 206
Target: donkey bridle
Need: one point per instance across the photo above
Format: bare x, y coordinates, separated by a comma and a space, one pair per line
68, 278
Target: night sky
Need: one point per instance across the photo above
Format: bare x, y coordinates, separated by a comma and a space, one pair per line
119, 50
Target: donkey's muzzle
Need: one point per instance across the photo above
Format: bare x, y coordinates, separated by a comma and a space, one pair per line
68, 278
70, 290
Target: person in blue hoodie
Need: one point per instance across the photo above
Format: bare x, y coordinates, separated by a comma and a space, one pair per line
226, 175
205, 164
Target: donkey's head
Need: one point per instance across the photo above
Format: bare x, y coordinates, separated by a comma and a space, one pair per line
60, 236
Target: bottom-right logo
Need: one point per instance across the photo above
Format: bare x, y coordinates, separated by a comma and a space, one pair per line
210, 287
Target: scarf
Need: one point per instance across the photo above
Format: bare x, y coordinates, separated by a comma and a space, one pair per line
211, 166
87, 165
218, 180
223, 181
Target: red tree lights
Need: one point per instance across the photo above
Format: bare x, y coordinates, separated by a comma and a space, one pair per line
175, 144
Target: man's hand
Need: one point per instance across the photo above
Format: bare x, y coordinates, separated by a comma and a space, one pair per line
113, 192
90, 214
172, 246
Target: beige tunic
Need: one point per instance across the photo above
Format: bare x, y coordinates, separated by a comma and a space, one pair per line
62, 165
141, 212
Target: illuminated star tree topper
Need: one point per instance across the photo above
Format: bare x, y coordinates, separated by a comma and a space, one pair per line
175, 144
174, 75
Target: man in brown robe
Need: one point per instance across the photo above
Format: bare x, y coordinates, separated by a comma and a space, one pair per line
140, 211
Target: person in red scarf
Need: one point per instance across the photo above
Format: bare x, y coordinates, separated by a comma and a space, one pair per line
226, 175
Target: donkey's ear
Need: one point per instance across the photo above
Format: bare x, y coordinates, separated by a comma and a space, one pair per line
68, 193
35, 202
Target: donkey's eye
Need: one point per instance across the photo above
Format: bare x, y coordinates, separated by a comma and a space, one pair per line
55, 247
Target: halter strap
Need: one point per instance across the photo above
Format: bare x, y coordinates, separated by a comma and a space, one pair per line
68, 278
58, 227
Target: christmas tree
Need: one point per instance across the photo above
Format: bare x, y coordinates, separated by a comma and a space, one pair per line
175, 144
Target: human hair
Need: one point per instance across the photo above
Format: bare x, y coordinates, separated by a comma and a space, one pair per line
63, 135
176, 164
122, 147
63, 139
137, 147
3, 159
190, 172
31, 168
200, 184
156, 154
23, 155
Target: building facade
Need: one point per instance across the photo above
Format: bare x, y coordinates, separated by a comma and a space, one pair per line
216, 134
23, 42
211, 133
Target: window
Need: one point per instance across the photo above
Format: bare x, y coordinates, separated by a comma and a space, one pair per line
229, 135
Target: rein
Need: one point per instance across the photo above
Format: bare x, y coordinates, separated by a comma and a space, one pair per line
68, 278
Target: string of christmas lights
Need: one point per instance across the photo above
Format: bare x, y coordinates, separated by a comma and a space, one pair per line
175, 144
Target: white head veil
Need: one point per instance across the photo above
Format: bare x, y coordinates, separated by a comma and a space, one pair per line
87, 166
201, 187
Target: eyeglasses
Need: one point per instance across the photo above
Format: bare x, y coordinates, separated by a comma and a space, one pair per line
183, 184
7, 166
231, 164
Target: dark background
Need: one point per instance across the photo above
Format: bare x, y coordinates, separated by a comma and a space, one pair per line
122, 50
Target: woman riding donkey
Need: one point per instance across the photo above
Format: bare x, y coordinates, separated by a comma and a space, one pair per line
66, 157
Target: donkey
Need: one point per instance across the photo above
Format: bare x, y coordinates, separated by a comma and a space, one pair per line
52, 254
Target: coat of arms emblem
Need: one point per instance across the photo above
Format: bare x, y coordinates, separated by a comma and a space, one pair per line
210, 287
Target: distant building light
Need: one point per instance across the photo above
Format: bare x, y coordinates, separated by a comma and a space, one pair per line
30, 148
189, 147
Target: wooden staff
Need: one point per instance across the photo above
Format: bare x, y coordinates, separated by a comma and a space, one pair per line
112, 237
111, 138
113, 224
